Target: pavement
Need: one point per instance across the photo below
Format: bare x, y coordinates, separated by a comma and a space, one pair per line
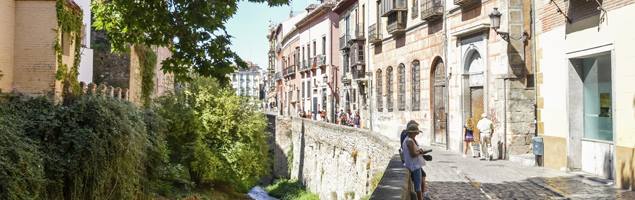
451, 176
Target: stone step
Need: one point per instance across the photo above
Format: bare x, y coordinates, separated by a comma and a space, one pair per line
525, 159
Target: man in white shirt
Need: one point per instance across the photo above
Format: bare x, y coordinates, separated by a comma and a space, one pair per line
486, 127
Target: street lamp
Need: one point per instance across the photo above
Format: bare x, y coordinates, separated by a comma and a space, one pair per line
495, 18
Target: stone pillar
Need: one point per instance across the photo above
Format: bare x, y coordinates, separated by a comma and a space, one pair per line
117, 92
91, 88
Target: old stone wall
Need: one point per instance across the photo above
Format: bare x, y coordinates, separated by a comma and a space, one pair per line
336, 162
109, 68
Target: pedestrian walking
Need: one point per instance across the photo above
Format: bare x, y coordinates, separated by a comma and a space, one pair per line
468, 137
343, 119
486, 127
413, 160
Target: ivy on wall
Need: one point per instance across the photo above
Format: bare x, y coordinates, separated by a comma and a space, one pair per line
69, 21
148, 62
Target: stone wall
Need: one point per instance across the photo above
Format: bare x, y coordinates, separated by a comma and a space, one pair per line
109, 68
333, 161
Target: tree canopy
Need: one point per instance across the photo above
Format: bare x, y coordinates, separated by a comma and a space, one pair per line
193, 30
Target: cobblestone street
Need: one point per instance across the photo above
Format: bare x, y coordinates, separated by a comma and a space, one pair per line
450, 176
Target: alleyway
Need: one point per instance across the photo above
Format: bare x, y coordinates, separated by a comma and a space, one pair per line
450, 176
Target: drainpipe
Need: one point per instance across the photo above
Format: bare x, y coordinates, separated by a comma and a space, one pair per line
447, 91
533, 65
370, 78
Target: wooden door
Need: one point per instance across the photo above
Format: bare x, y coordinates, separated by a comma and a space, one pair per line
476, 108
439, 99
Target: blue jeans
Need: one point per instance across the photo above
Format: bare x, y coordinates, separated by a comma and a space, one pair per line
416, 178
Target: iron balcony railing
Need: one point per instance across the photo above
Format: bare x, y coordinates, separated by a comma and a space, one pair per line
321, 60
462, 2
277, 76
431, 9
374, 35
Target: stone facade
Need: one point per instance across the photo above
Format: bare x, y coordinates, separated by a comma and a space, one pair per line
124, 70
331, 160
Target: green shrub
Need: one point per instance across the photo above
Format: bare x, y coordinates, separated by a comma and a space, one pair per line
95, 148
286, 189
212, 134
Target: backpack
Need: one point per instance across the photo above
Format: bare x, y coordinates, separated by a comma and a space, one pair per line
402, 137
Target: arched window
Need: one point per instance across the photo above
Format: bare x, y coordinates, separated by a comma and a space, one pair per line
402, 86
415, 86
380, 106
389, 89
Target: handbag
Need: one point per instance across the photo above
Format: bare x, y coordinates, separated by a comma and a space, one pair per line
427, 157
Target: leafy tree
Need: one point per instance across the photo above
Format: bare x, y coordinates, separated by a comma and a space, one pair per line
194, 30
214, 134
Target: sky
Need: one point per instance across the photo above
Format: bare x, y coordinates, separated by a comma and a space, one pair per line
250, 24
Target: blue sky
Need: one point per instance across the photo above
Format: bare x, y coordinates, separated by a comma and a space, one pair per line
249, 27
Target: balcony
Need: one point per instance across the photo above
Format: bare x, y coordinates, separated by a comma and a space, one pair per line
359, 31
289, 71
431, 9
462, 2
278, 76
321, 60
388, 7
343, 43
397, 22
374, 35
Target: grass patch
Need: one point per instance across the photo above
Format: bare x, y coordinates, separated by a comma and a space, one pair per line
215, 191
286, 189
375, 180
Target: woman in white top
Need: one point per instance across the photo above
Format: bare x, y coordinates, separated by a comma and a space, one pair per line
414, 160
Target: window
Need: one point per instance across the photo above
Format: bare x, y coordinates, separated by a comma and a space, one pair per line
308, 53
308, 86
415, 86
314, 51
389, 89
379, 91
323, 45
415, 9
402, 87
303, 87
348, 28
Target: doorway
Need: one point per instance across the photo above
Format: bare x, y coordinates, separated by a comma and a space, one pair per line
590, 99
475, 82
439, 99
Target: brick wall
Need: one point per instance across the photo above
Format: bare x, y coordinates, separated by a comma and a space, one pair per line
7, 24
549, 18
34, 58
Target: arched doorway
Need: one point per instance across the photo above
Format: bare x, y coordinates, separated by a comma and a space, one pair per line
438, 102
475, 78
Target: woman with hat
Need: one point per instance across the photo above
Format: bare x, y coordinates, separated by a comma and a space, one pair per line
413, 160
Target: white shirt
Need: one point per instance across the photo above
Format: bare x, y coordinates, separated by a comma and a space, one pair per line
485, 126
412, 163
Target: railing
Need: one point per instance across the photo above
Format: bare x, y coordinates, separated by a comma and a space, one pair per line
359, 31
277, 76
397, 22
462, 2
321, 60
342, 42
431, 9
373, 34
